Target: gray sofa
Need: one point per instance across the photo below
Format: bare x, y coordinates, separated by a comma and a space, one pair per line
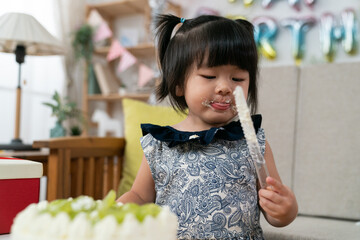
311, 116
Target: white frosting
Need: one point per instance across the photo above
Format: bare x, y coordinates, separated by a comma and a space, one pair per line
59, 226
83, 203
250, 136
106, 229
80, 228
34, 223
129, 227
245, 119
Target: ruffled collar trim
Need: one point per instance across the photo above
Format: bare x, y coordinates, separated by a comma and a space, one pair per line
231, 132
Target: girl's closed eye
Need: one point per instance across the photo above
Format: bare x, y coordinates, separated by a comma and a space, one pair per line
208, 76
238, 79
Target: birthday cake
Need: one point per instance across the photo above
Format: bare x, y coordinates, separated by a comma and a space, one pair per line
83, 218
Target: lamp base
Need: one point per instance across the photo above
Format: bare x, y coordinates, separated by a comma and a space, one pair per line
17, 145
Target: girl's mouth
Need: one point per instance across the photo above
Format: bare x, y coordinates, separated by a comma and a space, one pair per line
218, 105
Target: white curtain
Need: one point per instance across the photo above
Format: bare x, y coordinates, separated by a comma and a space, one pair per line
40, 77
71, 16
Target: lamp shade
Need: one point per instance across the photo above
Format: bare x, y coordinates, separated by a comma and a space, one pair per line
23, 29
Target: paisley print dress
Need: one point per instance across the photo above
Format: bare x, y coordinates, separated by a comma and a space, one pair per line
211, 187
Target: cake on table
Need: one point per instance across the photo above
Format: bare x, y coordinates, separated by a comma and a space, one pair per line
83, 218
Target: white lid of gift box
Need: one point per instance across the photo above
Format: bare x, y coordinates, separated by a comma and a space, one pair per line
17, 169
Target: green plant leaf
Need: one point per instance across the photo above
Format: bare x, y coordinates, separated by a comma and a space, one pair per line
82, 43
50, 105
64, 109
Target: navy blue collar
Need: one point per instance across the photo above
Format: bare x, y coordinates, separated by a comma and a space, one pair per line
231, 131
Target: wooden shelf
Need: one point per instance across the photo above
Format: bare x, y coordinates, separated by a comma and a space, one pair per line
117, 97
141, 50
110, 10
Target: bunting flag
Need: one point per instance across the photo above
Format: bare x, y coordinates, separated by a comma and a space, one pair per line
102, 32
115, 51
95, 19
126, 61
145, 75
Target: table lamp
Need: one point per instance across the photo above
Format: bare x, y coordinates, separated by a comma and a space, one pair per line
21, 34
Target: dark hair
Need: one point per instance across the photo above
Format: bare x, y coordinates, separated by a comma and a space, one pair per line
223, 41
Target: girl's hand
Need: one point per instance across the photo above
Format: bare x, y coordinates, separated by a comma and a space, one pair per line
278, 203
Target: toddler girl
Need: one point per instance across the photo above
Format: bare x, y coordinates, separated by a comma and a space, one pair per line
200, 168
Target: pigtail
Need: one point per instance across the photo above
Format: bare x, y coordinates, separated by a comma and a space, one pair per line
164, 28
165, 25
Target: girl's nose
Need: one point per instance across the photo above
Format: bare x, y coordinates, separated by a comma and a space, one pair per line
223, 87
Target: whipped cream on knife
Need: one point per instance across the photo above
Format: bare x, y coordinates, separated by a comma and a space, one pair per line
250, 136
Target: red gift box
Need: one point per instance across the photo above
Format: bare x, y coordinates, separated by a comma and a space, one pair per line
19, 187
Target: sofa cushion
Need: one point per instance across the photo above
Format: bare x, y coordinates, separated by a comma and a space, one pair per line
327, 166
135, 113
306, 228
277, 105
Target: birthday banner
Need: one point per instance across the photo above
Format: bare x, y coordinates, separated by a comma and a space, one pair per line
334, 29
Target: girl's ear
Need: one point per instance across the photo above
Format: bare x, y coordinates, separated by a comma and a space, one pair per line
179, 91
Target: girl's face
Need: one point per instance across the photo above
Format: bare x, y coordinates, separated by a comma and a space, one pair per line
209, 95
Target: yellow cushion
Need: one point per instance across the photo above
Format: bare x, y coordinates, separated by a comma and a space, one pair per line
135, 113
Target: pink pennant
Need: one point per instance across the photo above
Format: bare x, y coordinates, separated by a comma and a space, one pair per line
103, 32
126, 61
145, 75
95, 18
116, 50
